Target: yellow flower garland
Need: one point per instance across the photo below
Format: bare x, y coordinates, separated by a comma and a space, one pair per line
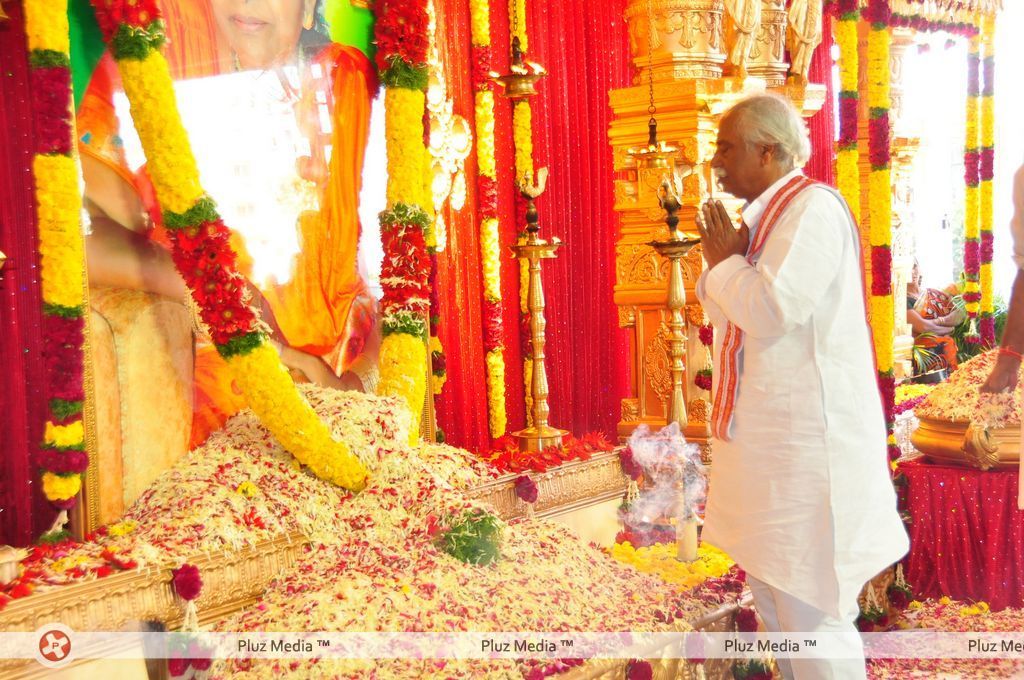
883, 311
497, 418
403, 126
403, 361
46, 26
61, 487
988, 125
64, 436
269, 390
490, 246
484, 112
61, 246
847, 160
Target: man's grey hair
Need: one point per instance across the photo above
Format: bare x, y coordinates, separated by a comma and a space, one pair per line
773, 121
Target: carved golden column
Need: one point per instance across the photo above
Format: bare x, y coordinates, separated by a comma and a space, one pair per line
768, 56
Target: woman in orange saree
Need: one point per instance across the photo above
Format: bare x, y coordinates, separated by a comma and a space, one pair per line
322, 313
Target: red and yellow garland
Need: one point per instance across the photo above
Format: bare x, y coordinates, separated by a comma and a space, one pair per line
986, 164
882, 309
200, 245
62, 456
847, 172
972, 191
487, 205
401, 33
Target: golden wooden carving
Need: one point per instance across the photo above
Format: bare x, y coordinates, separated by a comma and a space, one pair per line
656, 363
960, 444
768, 57
630, 409
686, 38
695, 314
699, 410
560, 490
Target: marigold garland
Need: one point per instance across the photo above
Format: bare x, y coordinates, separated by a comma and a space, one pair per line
972, 191
985, 173
401, 32
201, 249
847, 155
881, 303
487, 208
61, 456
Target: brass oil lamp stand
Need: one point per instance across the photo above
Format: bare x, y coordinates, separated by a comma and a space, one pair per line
675, 249
540, 434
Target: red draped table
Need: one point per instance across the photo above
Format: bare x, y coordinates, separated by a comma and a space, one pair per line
966, 534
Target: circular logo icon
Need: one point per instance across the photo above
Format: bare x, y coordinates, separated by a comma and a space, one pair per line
54, 648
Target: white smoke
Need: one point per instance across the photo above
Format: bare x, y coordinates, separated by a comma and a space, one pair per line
677, 478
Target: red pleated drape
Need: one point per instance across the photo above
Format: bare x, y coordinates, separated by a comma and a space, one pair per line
584, 48
24, 512
822, 125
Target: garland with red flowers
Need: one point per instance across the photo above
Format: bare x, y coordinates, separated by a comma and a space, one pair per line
61, 456
201, 247
972, 191
401, 33
487, 209
987, 327
847, 13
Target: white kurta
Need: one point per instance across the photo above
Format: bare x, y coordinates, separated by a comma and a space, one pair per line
801, 497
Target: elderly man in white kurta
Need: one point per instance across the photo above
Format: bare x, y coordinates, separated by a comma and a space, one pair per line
1007, 368
800, 494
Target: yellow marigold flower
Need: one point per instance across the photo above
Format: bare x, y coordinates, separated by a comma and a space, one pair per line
247, 489
59, 488
122, 528
497, 416
403, 374
170, 161
480, 22
64, 435
915, 605
403, 129
945, 600
484, 113
46, 29
522, 135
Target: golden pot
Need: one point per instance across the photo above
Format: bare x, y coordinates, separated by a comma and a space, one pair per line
963, 443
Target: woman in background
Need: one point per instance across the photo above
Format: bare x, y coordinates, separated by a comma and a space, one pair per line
322, 314
932, 314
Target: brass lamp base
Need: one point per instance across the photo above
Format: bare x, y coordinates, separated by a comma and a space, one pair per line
539, 438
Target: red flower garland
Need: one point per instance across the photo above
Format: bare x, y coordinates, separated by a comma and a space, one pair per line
400, 31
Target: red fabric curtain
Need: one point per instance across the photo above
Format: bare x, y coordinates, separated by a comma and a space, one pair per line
584, 48
24, 512
966, 534
822, 125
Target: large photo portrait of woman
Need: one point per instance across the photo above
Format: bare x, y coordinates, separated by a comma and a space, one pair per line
278, 116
